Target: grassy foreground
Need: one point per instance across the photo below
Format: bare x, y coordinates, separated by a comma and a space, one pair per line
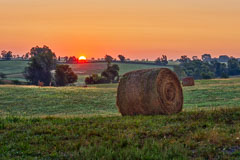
212, 134
83, 123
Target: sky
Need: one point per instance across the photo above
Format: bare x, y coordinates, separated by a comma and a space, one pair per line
138, 29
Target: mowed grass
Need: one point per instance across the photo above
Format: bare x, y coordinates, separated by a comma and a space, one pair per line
83, 123
32, 100
101, 99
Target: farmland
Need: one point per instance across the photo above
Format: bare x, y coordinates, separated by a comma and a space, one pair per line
77, 122
14, 69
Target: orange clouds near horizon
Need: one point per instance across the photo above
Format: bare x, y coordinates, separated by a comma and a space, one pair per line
137, 29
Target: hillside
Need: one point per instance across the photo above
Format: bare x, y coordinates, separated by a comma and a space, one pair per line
14, 69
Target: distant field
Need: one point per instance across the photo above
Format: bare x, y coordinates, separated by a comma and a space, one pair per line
14, 69
83, 70
84, 123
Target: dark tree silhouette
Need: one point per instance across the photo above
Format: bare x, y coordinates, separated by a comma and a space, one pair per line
233, 67
206, 58
184, 59
6, 55
108, 59
40, 66
121, 57
111, 73
162, 61
64, 75
37, 50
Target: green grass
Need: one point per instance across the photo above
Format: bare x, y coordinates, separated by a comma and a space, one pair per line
14, 69
101, 99
84, 123
210, 134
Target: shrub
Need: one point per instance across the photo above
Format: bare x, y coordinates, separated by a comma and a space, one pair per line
17, 82
2, 75
207, 75
95, 79
64, 75
111, 73
224, 75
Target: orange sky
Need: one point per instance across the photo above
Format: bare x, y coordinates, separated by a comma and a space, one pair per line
134, 28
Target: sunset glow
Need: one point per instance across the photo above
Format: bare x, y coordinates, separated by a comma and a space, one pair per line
82, 58
136, 29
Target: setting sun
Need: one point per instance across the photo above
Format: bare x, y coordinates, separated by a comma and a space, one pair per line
82, 58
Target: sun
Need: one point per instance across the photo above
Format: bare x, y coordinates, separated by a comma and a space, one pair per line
82, 58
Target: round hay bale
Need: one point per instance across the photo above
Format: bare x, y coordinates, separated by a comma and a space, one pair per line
188, 81
150, 92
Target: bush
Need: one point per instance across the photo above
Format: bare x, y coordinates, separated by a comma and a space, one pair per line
224, 75
111, 73
2, 75
208, 75
95, 79
17, 82
64, 75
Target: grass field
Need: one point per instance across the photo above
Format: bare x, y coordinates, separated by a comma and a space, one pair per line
14, 69
84, 123
100, 99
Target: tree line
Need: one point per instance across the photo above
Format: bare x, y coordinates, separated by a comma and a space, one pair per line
200, 69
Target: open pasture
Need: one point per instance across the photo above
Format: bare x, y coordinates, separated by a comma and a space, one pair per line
84, 123
101, 99
14, 69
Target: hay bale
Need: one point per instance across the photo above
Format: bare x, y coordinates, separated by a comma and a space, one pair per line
188, 81
149, 92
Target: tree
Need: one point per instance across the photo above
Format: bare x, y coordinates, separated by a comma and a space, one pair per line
66, 58
220, 69
111, 73
64, 75
233, 67
198, 69
37, 50
162, 61
184, 59
108, 59
72, 60
206, 58
7, 55
40, 66
179, 71
223, 58
27, 55
121, 57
